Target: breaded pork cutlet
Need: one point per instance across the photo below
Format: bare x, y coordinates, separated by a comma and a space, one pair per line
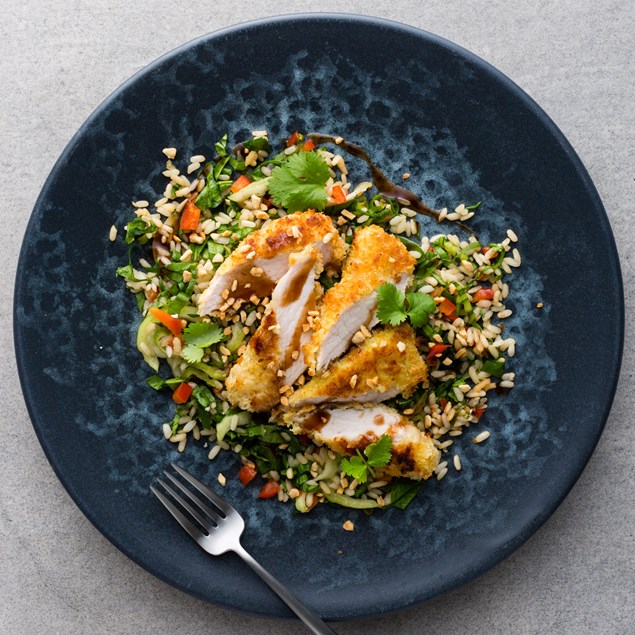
262, 258
346, 430
375, 257
383, 366
273, 358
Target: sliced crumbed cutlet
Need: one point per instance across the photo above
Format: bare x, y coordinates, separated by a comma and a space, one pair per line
348, 429
375, 257
262, 258
273, 357
383, 366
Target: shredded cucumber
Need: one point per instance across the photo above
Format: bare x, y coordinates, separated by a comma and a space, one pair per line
349, 501
148, 341
236, 339
330, 469
224, 425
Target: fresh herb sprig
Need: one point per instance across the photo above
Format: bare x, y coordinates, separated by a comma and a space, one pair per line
375, 455
395, 306
300, 183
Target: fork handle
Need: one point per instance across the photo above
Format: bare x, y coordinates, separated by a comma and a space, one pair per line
303, 612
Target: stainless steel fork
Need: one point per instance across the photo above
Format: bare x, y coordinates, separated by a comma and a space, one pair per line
219, 530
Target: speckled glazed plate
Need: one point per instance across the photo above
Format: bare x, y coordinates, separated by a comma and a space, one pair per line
417, 103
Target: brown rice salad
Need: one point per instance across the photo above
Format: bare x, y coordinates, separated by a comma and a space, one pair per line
450, 303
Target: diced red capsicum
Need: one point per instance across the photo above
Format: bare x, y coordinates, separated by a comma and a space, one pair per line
483, 294
246, 474
308, 145
478, 412
182, 393
293, 139
239, 183
173, 324
436, 349
190, 217
269, 489
338, 194
447, 307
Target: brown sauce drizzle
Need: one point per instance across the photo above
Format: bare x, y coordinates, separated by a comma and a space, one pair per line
384, 185
316, 421
294, 290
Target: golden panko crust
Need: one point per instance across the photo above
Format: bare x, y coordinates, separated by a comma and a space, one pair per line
388, 359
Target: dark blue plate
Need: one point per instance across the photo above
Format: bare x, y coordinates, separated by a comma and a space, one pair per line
418, 104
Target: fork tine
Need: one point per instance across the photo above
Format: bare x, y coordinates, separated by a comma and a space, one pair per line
217, 518
185, 522
223, 505
203, 522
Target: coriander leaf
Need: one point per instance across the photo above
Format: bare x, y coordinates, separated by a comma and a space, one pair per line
210, 196
378, 453
300, 183
420, 306
403, 491
202, 334
355, 467
390, 301
192, 354
156, 382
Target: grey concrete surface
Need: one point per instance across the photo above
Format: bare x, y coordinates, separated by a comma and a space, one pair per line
58, 61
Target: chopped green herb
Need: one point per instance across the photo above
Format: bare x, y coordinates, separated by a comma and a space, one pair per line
494, 367
137, 229
210, 196
403, 492
156, 382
